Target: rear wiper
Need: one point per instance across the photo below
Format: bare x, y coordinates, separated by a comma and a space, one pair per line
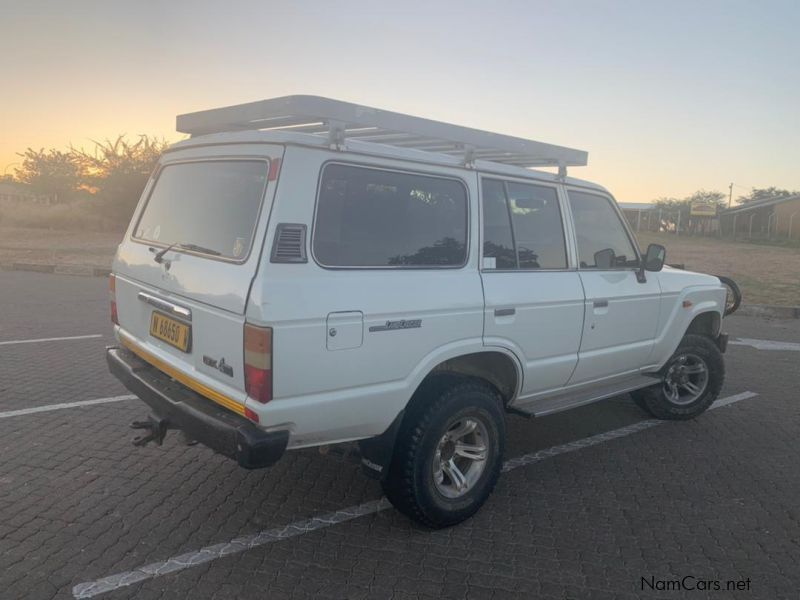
197, 248
159, 257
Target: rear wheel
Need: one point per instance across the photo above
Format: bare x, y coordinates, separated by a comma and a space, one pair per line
690, 381
448, 454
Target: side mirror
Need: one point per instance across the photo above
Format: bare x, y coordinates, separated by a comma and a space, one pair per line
605, 259
654, 257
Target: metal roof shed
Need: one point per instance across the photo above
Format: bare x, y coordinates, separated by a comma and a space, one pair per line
777, 217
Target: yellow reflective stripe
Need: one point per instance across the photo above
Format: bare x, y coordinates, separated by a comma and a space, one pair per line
192, 384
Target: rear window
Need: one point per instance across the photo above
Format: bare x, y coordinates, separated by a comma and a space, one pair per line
209, 207
375, 218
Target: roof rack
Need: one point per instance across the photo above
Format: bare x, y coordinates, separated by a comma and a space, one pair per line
340, 121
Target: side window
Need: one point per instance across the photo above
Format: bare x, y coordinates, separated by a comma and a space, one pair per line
370, 217
602, 240
538, 232
522, 226
498, 242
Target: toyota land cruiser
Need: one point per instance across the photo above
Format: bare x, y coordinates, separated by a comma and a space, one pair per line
304, 272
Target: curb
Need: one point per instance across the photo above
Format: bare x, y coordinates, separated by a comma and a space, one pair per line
765, 310
65, 269
33, 267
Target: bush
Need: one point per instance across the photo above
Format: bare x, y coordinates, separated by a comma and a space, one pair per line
95, 190
117, 171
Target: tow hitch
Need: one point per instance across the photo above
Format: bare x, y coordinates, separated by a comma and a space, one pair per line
156, 430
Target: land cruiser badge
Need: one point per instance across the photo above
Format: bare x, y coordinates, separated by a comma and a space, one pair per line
401, 324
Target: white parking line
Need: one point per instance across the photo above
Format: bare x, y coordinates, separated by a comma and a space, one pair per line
90, 589
766, 344
52, 339
49, 407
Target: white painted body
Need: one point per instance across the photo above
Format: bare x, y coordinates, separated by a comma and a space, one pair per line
350, 387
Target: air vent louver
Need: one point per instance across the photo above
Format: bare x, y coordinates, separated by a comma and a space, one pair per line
290, 244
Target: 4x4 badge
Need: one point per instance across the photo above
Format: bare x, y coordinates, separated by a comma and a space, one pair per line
220, 365
401, 324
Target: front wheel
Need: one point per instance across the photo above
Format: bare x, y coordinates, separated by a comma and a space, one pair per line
690, 381
448, 454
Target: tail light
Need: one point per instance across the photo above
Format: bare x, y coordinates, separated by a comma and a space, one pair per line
112, 294
258, 362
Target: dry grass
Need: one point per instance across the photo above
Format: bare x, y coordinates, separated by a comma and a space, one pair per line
82, 215
43, 246
766, 274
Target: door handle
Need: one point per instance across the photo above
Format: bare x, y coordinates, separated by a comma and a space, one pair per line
600, 303
504, 312
175, 309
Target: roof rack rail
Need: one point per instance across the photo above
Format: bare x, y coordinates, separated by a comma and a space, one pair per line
340, 121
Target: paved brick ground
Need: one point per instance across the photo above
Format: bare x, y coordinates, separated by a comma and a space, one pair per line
714, 498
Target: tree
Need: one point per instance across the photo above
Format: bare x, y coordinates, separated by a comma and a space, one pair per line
117, 171
765, 194
51, 173
717, 198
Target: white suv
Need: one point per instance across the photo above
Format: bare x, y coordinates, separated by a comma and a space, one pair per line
304, 272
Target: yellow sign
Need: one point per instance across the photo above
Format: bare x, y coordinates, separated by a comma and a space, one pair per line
703, 209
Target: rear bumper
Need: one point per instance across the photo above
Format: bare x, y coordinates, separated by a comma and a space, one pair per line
210, 424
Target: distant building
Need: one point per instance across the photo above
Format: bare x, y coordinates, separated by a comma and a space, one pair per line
642, 216
773, 217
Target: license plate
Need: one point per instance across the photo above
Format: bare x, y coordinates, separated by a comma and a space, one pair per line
169, 330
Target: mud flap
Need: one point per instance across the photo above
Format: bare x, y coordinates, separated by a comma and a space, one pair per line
377, 452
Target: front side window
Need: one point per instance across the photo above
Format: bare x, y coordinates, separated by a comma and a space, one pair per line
602, 240
522, 227
375, 218
208, 207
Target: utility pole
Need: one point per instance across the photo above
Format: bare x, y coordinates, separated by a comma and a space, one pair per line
730, 194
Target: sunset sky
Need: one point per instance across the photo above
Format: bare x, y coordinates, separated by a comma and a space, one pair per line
667, 97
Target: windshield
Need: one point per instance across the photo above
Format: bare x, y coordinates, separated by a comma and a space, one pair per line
209, 207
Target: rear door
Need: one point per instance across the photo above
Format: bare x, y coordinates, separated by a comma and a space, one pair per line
621, 313
533, 299
186, 265
390, 282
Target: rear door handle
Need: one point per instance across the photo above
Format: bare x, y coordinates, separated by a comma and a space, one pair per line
504, 312
166, 306
600, 303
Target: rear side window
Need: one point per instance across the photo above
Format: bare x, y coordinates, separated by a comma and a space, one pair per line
375, 218
498, 242
602, 240
209, 207
522, 227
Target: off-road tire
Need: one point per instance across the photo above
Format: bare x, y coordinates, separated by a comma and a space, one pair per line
410, 485
733, 295
653, 399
